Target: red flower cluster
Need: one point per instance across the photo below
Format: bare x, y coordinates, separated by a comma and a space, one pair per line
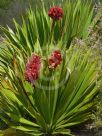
33, 68
56, 59
56, 13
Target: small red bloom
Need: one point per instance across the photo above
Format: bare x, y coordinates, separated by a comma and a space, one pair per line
33, 68
55, 60
56, 13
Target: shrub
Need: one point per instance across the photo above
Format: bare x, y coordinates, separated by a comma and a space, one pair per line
54, 102
45, 88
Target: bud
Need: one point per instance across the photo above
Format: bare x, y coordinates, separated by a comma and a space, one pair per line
33, 68
56, 13
55, 59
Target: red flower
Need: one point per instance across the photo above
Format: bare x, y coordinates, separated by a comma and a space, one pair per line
55, 60
56, 13
33, 68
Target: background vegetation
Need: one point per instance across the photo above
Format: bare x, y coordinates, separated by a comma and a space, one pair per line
10, 9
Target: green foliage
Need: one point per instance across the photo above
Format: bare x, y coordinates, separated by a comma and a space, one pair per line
95, 41
60, 98
75, 23
8, 132
4, 3
52, 106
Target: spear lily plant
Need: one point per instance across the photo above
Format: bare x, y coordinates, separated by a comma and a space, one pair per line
45, 88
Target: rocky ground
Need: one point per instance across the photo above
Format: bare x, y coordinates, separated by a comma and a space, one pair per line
87, 130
